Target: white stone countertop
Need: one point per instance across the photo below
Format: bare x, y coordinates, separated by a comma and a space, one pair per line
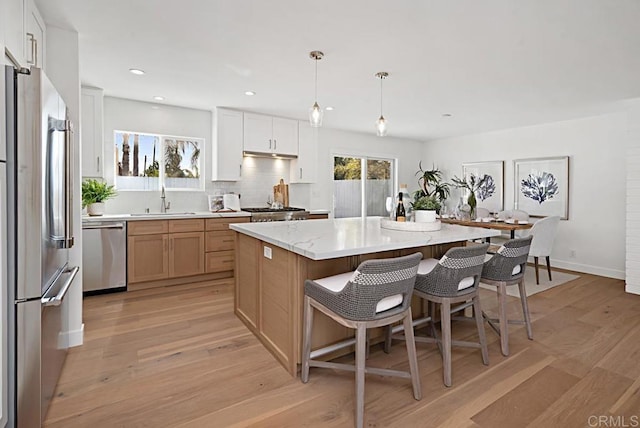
167, 216
332, 238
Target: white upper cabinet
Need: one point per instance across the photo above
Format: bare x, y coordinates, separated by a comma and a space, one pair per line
92, 132
24, 33
36, 32
304, 169
14, 34
227, 152
266, 134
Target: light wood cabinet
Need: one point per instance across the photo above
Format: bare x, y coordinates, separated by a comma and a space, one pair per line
169, 252
92, 132
148, 258
304, 168
227, 151
266, 134
186, 254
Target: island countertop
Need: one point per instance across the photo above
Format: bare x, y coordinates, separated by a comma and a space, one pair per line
332, 238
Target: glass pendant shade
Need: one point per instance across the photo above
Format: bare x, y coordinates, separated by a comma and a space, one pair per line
381, 126
315, 115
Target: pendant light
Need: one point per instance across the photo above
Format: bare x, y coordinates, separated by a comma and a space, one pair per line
381, 123
315, 112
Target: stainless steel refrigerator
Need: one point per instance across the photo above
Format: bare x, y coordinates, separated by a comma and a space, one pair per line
39, 235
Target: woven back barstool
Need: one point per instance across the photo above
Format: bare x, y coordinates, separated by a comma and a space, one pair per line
503, 269
377, 294
452, 279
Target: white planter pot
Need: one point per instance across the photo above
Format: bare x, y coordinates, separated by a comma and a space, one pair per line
95, 209
425, 216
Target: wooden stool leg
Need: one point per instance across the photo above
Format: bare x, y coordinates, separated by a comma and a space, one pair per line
535, 262
361, 333
306, 339
525, 309
548, 267
480, 324
413, 358
445, 325
387, 339
367, 346
502, 317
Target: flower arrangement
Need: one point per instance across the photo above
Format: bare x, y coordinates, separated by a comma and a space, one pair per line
475, 184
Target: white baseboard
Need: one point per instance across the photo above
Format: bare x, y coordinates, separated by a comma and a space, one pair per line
579, 267
69, 339
632, 288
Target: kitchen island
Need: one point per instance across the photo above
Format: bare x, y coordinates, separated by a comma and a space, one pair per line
274, 259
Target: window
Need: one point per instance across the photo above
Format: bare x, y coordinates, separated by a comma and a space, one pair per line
352, 195
149, 161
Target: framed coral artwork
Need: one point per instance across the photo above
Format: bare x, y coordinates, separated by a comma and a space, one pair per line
542, 186
490, 194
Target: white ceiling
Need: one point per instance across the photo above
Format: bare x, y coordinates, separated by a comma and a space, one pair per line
492, 64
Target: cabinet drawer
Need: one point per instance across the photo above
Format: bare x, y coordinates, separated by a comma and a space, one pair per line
219, 261
223, 223
186, 225
147, 227
219, 240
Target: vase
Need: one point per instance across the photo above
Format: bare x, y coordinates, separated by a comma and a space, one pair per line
471, 200
96, 209
424, 216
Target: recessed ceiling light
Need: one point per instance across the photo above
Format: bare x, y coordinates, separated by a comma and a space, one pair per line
136, 71
249, 93
158, 98
447, 115
329, 108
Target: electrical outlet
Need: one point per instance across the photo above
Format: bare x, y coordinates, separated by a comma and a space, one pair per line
572, 254
267, 252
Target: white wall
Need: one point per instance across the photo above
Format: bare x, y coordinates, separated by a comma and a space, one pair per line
63, 69
596, 147
633, 199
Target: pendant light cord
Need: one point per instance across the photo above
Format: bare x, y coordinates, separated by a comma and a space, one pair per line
381, 79
316, 82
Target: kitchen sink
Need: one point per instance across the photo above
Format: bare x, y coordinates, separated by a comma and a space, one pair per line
160, 214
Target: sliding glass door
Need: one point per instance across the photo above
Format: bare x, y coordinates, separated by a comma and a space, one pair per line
354, 196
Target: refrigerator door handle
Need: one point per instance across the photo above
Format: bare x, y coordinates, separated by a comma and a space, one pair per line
51, 299
67, 127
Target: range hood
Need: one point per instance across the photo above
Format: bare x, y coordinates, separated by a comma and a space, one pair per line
269, 155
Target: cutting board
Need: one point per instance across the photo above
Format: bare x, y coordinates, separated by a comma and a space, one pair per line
281, 193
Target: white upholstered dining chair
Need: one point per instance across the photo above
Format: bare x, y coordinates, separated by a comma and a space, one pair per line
544, 233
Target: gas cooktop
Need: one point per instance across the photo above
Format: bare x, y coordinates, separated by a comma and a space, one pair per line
272, 210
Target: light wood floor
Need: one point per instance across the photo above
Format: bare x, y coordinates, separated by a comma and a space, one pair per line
178, 356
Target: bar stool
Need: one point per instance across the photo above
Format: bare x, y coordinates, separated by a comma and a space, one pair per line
503, 269
452, 279
376, 294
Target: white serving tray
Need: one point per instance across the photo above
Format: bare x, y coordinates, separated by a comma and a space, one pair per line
410, 226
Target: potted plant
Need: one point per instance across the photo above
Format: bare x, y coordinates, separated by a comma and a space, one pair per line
473, 184
425, 209
94, 193
430, 182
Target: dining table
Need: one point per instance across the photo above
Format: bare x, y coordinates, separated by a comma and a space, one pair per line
498, 224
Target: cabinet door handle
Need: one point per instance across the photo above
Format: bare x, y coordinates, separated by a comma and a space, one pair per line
275, 144
32, 41
240, 170
98, 163
35, 52
269, 144
300, 173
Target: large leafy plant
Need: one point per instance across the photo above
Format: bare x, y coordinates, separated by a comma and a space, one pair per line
426, 203
96, 191
430, 182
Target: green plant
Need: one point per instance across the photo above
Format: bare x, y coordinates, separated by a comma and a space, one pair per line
426, 203
95, 191
430, 182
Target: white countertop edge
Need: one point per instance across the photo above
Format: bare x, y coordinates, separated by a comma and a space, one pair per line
154, 216
416, 239
319, 211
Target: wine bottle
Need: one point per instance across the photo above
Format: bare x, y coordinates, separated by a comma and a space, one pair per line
400, 211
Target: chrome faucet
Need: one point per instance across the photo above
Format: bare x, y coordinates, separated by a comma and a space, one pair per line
165, 205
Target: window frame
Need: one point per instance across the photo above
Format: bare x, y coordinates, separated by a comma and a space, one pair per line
161, 172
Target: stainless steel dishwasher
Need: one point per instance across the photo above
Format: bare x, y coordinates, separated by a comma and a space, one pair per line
104, 256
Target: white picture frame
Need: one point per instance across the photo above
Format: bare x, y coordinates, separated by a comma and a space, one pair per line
542, 186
